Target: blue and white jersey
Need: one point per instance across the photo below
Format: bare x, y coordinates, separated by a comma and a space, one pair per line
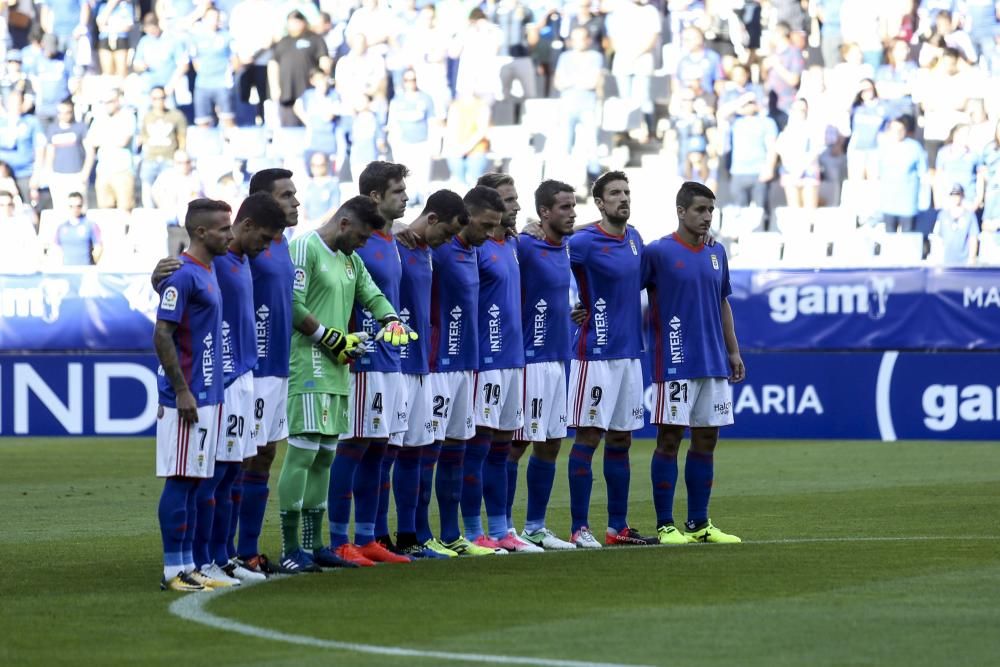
686, 285
239, 340
190, 297
607, 271
545, 284
454, 308
415, 307
382, 260
501, 344
273, 275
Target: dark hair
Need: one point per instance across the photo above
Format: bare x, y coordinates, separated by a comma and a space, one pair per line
263, 209
477, 14
482, 198
263, 180
446, 205
198, 208
377, 174
689, 190
907, 121
159, 88
545, 193
603, 180
363, 210
75, 195
6, 193
857, 98
495, 179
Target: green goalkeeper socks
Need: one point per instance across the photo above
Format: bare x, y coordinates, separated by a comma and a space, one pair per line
314, 500
291, 490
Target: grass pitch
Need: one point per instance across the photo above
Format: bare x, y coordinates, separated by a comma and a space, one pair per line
857, 553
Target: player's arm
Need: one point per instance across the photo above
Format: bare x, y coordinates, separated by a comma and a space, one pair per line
166, 353
164, 269
739, 371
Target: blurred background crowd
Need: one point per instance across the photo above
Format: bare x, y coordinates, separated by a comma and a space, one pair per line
835, 132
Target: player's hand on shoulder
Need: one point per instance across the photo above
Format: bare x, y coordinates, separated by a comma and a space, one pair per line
404, 235
187, 408
579, 314
534, 230
739, 371
164, 269
710, 240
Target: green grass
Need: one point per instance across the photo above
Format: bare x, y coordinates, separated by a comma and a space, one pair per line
80, 540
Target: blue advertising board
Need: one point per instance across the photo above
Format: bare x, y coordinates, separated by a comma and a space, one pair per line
856, 395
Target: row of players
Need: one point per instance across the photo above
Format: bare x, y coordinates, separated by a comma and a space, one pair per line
382, 350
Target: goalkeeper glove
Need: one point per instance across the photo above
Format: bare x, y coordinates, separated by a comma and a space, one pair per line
396, 333
339, 346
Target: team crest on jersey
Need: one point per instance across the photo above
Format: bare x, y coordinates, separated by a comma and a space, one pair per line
169, 300
631, 244
300, 279
349, 269
715, 262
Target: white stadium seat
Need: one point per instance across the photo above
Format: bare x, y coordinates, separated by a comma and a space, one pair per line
902, 249
757, 250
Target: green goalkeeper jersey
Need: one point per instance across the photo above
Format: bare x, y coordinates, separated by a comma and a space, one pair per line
327, 283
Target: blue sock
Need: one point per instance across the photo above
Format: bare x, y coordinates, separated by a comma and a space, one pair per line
581, 482
172, 512
448, 486
339, 496
234, 516
663, 472
472, 484
495, 488
206, 517
616, 476
191, 522
367, 481
218, 546
699, 470
541, 476
428, 461
406, 488
511, 490
385, 485
252, 508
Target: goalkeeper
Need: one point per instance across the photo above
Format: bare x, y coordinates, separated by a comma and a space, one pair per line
329, 278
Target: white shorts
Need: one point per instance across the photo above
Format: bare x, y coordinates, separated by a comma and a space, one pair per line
420, 401
236, 442
453, 409
701, 402
184, 449
544, 402
270, 410
377, 405
606, 395
499, 399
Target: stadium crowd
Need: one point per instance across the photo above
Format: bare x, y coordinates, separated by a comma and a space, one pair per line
809, 117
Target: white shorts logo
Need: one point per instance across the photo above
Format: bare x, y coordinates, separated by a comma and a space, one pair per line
300, 279
169, 300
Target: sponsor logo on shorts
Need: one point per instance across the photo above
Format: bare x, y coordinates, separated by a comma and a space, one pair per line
169, 299
637, 413
723, 408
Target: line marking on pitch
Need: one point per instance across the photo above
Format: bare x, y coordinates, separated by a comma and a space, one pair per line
191, 607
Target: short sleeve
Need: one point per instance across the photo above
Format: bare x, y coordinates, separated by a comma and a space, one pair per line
727, 287
174, 296
579, 244
646, 273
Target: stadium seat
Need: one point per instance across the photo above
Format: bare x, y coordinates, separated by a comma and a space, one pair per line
21, 251
204, 142
860, 199
541, 115
903, 249
853, 249
246, 143
793, 221
989, 248
805, 250
147, 235
757, 250
833, 221
738, 221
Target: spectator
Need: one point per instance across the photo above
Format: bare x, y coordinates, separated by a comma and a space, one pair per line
295, 55
946, 35
868, 116
584, 17
426, 50
942, 93
65, 154
845, 79
514, 17
253, 32
22, 144
78, 239
784, 67
373, 21
989, 183
980, 20
465, 140
902, 171
895, 79
633, 29
799, 146
697, 62
367, 136
752, 137
14, 222
15, 79
956, 164
109, 147
115, 20
956, 230
61, 19
50, 78
8, 183
320, 196
477, 48
411, 113
176, 186
360, 73
160, 59
164, 132
861, 23
830, 39
215, 65
578, 76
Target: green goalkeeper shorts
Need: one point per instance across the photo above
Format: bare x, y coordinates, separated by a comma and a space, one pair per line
325, 414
